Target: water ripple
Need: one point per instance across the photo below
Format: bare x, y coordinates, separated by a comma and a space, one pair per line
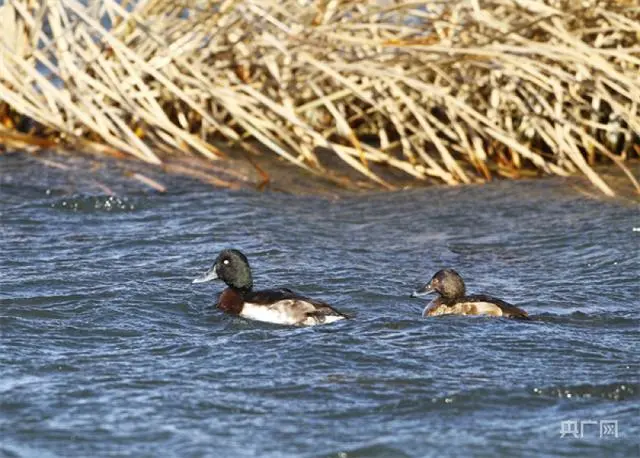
107, 349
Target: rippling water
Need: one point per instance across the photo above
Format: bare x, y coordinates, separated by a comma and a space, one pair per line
107, 349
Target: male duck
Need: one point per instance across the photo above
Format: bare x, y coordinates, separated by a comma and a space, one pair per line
451, 299
281, 306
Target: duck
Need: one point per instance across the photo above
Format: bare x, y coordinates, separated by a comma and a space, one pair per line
452, 299
279, 306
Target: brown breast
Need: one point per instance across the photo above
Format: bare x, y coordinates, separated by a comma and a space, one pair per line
231, 301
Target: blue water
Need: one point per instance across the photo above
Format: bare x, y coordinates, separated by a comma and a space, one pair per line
106, 349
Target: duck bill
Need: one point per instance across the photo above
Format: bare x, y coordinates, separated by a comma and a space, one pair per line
423, 291
210, 275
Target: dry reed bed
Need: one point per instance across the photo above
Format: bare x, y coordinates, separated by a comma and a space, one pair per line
452, 91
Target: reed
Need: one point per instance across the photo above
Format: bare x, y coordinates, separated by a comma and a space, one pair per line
455, 91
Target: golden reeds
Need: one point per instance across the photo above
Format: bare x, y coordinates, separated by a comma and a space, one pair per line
455, 91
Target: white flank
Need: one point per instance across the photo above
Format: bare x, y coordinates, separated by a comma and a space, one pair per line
312, 321
288, 312
274, 313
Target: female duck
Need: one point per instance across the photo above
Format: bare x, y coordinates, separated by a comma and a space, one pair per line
451, 299
281, 306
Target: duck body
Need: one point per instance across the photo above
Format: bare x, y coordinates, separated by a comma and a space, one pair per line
279, 306
452, 300
476, 304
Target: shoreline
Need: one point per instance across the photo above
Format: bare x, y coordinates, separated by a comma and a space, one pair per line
113, 176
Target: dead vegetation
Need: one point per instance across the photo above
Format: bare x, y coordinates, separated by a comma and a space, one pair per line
456, 91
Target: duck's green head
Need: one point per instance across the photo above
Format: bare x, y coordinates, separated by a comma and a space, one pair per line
232, 267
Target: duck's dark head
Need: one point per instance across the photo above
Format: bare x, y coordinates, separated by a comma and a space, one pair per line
446, 282
232, 267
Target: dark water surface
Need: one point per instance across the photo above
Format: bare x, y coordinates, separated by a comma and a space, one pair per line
107, 349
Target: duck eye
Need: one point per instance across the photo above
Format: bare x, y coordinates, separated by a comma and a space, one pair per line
225, 262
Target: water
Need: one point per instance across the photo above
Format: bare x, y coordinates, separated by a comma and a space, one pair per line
107, 349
